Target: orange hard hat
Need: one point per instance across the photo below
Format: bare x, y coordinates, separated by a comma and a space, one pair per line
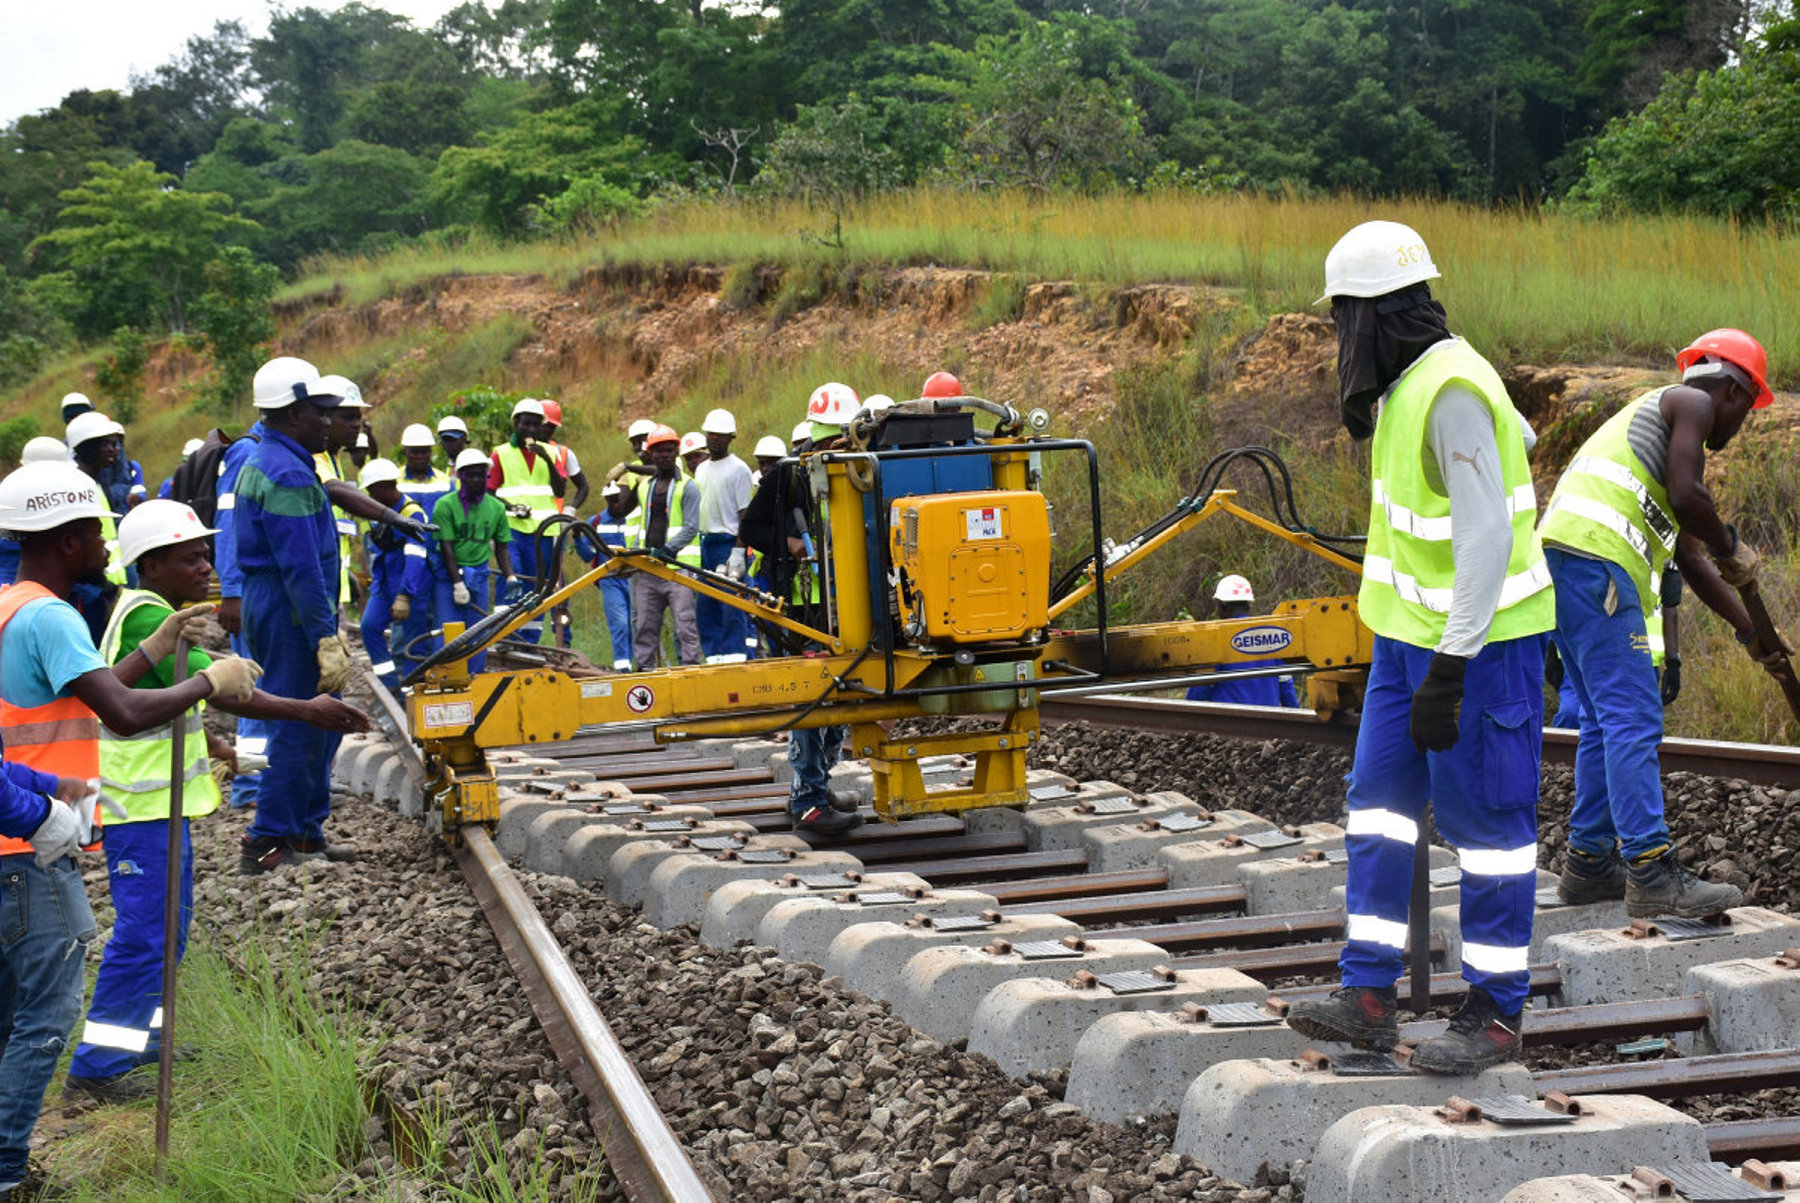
941, 384
1736, 348
661, 434
552, 412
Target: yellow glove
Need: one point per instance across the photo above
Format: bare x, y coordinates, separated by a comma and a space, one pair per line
402, 609
221, 775
334, 663
233, 678
188, 624
617, 471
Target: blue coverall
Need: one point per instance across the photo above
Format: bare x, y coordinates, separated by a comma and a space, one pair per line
425, 615
397, 565
615, 591
287, 549
252, 734
1252, 691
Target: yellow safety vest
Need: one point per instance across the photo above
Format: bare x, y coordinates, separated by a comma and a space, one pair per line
529, 487
326, 465
689, 555
134, 769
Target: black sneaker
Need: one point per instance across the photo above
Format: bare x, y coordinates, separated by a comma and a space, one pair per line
1663, 886
266, 854
1359, 1015
336, 853
1479, 1036
826, 820
128, 1087
1588, 878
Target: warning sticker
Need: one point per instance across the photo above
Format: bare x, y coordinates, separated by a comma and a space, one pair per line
639, 698
450, 714
984, 523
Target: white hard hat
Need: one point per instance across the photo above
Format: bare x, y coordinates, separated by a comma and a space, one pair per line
74, 401
158, 523
613, 489
417, 435
639, 428
378, 471
1234, 588
527, 405
91, 425
43, 496
349, 396
802, 431
1374, 259
44, 450
691, 442
451, 424
192, 445
833, 404
468, 457
285, 380
719, 421
771, 445
878, 402
362, 440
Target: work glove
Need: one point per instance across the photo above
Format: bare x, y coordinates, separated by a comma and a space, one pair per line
1770, 658
250, 762
519, 510
412, 528
89, 833
459, 593
222, 774
1437, 704
735, 567
233, 678
334, 663
664, 554
59, 835
1739, 568
617, 472
1671, 680
188, 624
402, 609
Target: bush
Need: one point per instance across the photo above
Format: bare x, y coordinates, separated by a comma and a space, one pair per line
488, 411
14, 434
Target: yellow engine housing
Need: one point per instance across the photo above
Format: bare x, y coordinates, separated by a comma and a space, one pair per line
973, 565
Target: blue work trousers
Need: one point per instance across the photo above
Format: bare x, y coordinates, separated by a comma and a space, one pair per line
45, 929
1605, 651
615, 595
529, 555
408, 647
1484, 794
377, 616
252, 737
724, 630
294, 799
124, 1020
811, 752
476, 577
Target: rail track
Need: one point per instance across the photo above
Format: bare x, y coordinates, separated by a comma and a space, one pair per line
1202, 927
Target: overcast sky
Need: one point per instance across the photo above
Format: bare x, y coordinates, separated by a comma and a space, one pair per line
49, 48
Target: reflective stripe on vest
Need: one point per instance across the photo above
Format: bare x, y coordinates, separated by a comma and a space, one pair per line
115, 567
689, 555
529, 487
134, 769
1608, 505
62, 737
1409, 569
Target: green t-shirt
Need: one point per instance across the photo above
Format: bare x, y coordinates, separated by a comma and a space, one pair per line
471, 534
138, 626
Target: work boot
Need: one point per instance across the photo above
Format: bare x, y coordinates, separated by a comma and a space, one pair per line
1587, 877
266, 854
35, 1187
846, 800
336, 853
1663, 886
824, 819
1479, 1036
127, 1087
1359, 1015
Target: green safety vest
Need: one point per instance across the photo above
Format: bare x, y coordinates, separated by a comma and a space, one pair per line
1408, 567
689, 555
529, 487
134, 769
1607, 505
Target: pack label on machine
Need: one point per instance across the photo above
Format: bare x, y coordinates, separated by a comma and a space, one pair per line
986, 523
449, 714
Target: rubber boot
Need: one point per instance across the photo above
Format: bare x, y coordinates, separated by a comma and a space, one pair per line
1479, 1036
1359, 1015
1663, 886
1590, 878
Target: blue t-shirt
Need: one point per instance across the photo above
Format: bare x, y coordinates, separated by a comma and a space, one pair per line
45, 646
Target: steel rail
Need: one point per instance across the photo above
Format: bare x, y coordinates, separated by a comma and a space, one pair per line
1739, 1140
1764, 764
1723, 1073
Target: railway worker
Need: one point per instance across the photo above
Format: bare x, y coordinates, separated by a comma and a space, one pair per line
472, 529
361, 450
287, 550
424, 484
97, 442
115, 476
941, 384
1233, 596
1633, 500
524, 477
346, 424
617, 526
187, 452
565, 459
693, 452
635, 434
168, 543
55, 691
42, 449
801, 436
725, 487
668, 506
769, 452
453, 437
399, 572
1456, 590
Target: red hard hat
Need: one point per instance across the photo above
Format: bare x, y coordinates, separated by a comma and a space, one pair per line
661, 434
1736, 348
941, 384
552, 412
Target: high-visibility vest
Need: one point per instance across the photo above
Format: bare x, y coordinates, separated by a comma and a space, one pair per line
559, 455
689, 555
529, 487
1608, 505
134, 769
109, 531
326, 465
1408, 566
62, 737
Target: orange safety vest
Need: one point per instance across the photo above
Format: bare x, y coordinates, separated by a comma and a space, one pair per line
62, 737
